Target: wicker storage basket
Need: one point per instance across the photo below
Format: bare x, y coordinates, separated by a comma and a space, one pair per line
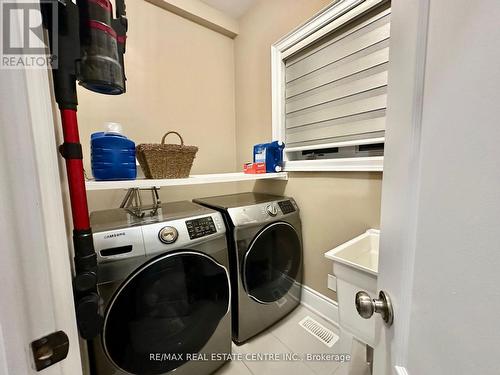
166, 160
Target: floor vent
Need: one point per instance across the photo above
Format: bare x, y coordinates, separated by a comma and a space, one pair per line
319, 331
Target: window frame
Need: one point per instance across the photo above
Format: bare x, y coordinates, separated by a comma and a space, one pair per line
327, 20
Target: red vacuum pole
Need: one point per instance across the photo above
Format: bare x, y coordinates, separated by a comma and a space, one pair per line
94, 56
87, 301
74, 170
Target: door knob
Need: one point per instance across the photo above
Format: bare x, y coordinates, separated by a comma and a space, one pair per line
366, 306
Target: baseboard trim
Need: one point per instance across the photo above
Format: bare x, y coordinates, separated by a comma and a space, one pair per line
325, 307
398, 370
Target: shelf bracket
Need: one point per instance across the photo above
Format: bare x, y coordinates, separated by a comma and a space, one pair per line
132, 202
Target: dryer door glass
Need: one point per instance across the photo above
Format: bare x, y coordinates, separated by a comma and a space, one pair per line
272, 262
171, 306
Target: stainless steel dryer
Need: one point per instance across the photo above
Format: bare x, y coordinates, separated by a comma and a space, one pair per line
265, 253
166, 291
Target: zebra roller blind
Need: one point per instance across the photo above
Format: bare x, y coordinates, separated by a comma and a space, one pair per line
336, 88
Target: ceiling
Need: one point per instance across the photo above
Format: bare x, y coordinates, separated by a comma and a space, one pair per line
233, 8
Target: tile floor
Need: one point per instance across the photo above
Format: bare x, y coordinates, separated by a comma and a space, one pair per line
288, 337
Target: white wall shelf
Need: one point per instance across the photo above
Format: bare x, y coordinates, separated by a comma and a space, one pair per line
92, 185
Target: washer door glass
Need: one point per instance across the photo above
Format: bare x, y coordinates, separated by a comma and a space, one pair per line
272, 262
171, 306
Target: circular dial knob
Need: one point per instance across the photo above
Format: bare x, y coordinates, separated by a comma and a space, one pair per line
168, 235
272, 210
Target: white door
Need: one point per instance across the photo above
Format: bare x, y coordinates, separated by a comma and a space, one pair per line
36, 296
440, 246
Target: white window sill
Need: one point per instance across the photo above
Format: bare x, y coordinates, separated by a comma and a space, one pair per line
361, 164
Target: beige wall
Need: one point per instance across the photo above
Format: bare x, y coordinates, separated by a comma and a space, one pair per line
263, 24
334, 206
180, 77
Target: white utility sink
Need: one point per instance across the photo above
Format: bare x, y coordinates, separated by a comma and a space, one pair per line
360, 252
355, 266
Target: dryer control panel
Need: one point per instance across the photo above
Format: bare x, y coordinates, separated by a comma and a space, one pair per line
263, 212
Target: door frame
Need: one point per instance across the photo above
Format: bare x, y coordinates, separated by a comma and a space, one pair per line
400, 187
37, 256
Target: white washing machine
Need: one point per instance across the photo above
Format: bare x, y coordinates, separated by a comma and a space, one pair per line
166, 291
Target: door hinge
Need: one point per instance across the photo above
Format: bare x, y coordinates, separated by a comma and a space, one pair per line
50, 349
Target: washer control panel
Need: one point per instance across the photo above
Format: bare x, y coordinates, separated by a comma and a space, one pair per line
168, 235
286, 207
201, 227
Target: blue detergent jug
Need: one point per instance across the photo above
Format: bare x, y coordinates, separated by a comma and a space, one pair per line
271, 154
112, 155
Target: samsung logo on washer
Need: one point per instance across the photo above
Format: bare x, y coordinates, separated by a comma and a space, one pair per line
113, 235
